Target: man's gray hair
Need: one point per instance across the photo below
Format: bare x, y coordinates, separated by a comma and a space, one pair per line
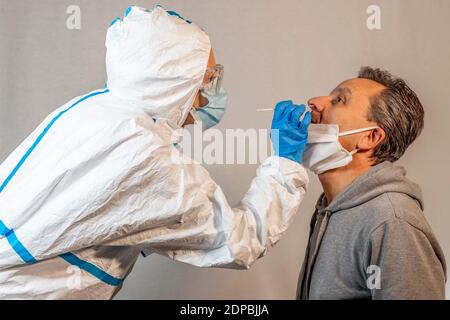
397, 110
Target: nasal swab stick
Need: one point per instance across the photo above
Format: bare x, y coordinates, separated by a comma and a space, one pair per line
308, 109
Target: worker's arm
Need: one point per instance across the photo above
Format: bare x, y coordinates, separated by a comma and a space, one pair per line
159, 200
207, 231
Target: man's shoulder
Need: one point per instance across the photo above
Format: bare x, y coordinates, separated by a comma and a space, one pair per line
393, 208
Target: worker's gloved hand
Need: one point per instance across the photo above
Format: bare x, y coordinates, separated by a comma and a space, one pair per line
289, 134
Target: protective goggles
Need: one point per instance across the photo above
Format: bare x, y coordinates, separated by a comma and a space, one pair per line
213, 80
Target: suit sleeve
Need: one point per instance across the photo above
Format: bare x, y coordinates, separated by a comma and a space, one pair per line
205, 230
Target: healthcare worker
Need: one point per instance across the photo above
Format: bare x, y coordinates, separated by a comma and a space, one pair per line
100, 181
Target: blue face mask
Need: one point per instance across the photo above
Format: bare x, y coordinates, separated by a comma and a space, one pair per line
213, 112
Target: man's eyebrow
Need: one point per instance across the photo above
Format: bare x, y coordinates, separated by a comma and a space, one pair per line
345, 91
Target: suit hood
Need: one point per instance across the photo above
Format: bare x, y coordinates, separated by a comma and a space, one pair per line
156, 61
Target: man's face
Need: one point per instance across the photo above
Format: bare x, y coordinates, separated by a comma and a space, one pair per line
347, 106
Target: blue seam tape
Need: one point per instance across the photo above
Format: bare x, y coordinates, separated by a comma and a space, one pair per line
11, 236
127, 12
38, 140
3, 229
17, 246
176, 14
92, 269
114, 21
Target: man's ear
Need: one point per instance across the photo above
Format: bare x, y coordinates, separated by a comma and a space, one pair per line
371, 140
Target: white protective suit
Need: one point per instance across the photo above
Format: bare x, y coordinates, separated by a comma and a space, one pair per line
99, 180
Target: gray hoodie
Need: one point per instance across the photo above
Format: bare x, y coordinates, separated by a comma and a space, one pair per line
373, 242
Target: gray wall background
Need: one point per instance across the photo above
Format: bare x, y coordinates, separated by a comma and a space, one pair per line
272, 50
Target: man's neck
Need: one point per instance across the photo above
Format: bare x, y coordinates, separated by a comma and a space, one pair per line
336, 181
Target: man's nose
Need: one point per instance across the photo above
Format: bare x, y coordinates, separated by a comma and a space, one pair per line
318, 104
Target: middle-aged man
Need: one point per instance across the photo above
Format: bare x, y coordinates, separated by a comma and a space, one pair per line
369, 238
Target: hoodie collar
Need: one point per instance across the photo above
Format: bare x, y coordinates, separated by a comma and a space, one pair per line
380, 179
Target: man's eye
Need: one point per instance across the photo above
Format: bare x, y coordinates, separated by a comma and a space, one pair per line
338, 100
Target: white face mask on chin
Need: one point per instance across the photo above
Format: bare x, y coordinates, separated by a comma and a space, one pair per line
324, 152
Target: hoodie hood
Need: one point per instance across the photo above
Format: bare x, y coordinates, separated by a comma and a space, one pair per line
156, 61
382, 178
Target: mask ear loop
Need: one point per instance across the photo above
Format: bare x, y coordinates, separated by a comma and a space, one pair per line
350, 132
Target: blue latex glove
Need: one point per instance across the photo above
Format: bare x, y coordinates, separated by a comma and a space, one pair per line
290, 135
